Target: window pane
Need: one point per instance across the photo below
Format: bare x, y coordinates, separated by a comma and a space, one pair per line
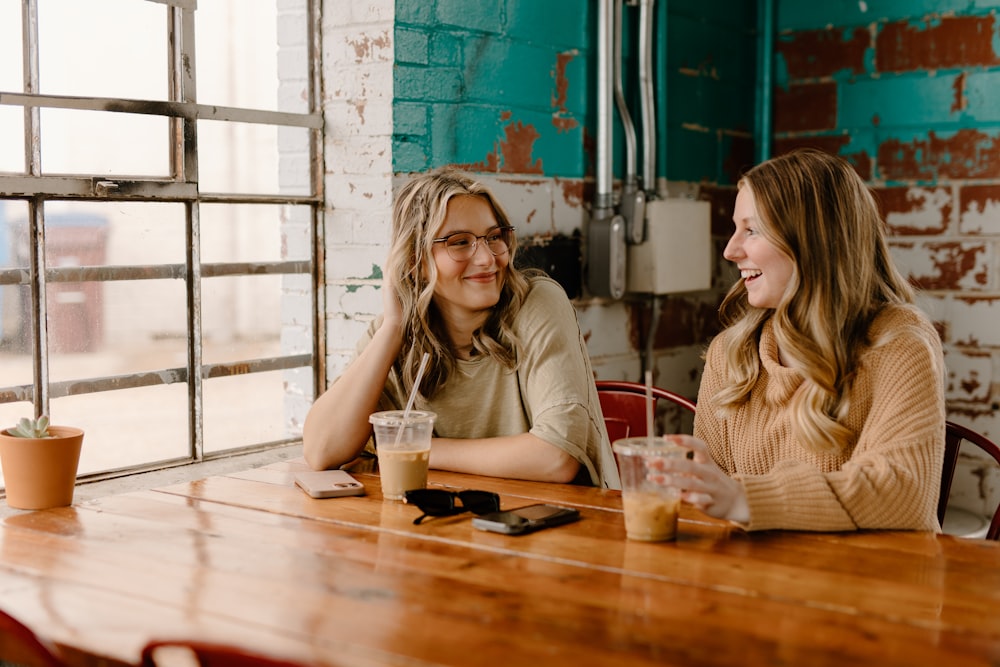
241, 317
135, 233
12, 139
253, 233
245, 409
11, 70
15, 300
112, 48
243, 158
99, 142
237, 53
128, 427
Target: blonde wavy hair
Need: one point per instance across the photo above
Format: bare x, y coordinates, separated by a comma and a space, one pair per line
417, 218
814, 208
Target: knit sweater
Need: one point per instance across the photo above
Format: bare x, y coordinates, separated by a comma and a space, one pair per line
889, 476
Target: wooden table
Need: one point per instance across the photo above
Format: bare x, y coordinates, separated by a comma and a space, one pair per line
248, 558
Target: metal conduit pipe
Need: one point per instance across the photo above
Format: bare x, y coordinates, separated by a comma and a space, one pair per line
605, 75
647, 106
765, 84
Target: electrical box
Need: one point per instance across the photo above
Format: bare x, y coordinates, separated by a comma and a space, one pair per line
677, 253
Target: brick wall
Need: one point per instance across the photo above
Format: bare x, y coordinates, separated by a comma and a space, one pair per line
906, 91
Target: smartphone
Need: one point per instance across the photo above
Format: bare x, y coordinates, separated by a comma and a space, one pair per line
526, 519
329, 484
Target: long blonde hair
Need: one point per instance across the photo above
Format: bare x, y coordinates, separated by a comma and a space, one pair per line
814, 208
418, 215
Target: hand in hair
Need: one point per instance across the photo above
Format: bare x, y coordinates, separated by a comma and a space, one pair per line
392, 310
703, 483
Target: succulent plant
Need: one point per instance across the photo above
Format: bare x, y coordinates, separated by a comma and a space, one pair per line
31, 428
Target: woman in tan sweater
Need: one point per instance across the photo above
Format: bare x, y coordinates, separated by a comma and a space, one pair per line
822, 401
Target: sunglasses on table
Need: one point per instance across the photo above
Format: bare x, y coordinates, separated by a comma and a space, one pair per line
440, 502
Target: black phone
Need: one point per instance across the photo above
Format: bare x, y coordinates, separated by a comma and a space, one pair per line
527, 519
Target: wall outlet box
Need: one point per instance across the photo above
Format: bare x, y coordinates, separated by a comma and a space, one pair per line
677, 253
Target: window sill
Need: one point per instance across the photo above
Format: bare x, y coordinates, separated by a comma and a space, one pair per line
176, 475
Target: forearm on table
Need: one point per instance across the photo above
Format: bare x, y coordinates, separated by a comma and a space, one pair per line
523, 456
337, 425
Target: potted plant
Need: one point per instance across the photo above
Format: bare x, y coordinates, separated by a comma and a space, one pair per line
39, 463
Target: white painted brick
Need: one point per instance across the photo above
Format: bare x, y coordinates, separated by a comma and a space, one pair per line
360, 193
292, 28
981, 218
352, 46
359, 82
606, 327
930, 213
973, 322
343, 333
352, 263
969, 376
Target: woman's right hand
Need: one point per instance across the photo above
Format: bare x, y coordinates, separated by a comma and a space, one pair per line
392, 309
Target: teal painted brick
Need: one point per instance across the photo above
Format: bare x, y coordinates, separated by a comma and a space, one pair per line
412, 46
556, 23
981, 97
800, 15
446, 49
513, 73
739, 13
482, 136
471, 14
702, 100
893, 102
408, 156
410, 118
416, 12
727, 51
691, 155
427, 84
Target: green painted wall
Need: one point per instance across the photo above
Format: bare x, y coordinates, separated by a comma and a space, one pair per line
510, 87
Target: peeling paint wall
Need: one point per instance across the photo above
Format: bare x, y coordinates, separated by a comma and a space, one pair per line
907, 92
508, 90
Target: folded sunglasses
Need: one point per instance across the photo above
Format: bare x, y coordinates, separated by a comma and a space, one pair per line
440, 502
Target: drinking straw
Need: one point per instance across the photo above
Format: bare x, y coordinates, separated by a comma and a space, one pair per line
413, 394
649, 406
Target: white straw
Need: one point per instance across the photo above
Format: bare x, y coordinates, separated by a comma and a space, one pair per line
649, 406
413, 394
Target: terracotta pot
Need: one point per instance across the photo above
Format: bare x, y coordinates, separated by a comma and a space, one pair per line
41, 472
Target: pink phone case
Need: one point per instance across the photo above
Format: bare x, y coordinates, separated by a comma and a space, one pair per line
329, 484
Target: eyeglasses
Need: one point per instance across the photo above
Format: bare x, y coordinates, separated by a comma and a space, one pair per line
462, 246
439, 502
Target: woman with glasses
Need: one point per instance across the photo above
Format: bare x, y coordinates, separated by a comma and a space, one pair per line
508, 373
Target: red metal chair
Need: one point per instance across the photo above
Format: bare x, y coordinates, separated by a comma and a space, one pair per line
19, 645
624, 406
955, 434
164, 653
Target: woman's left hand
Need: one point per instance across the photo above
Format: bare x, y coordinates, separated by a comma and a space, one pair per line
704, 484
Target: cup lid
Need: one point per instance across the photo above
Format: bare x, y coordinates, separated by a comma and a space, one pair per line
647, 446
389, 417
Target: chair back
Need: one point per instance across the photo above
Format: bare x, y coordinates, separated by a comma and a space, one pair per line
19, 645
624, 406
192, 653
955, 434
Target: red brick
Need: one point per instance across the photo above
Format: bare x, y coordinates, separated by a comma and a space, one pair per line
806, 107
831, 144
819, 53
968, 153
979, 206
952, 41
915, 211
953, 265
